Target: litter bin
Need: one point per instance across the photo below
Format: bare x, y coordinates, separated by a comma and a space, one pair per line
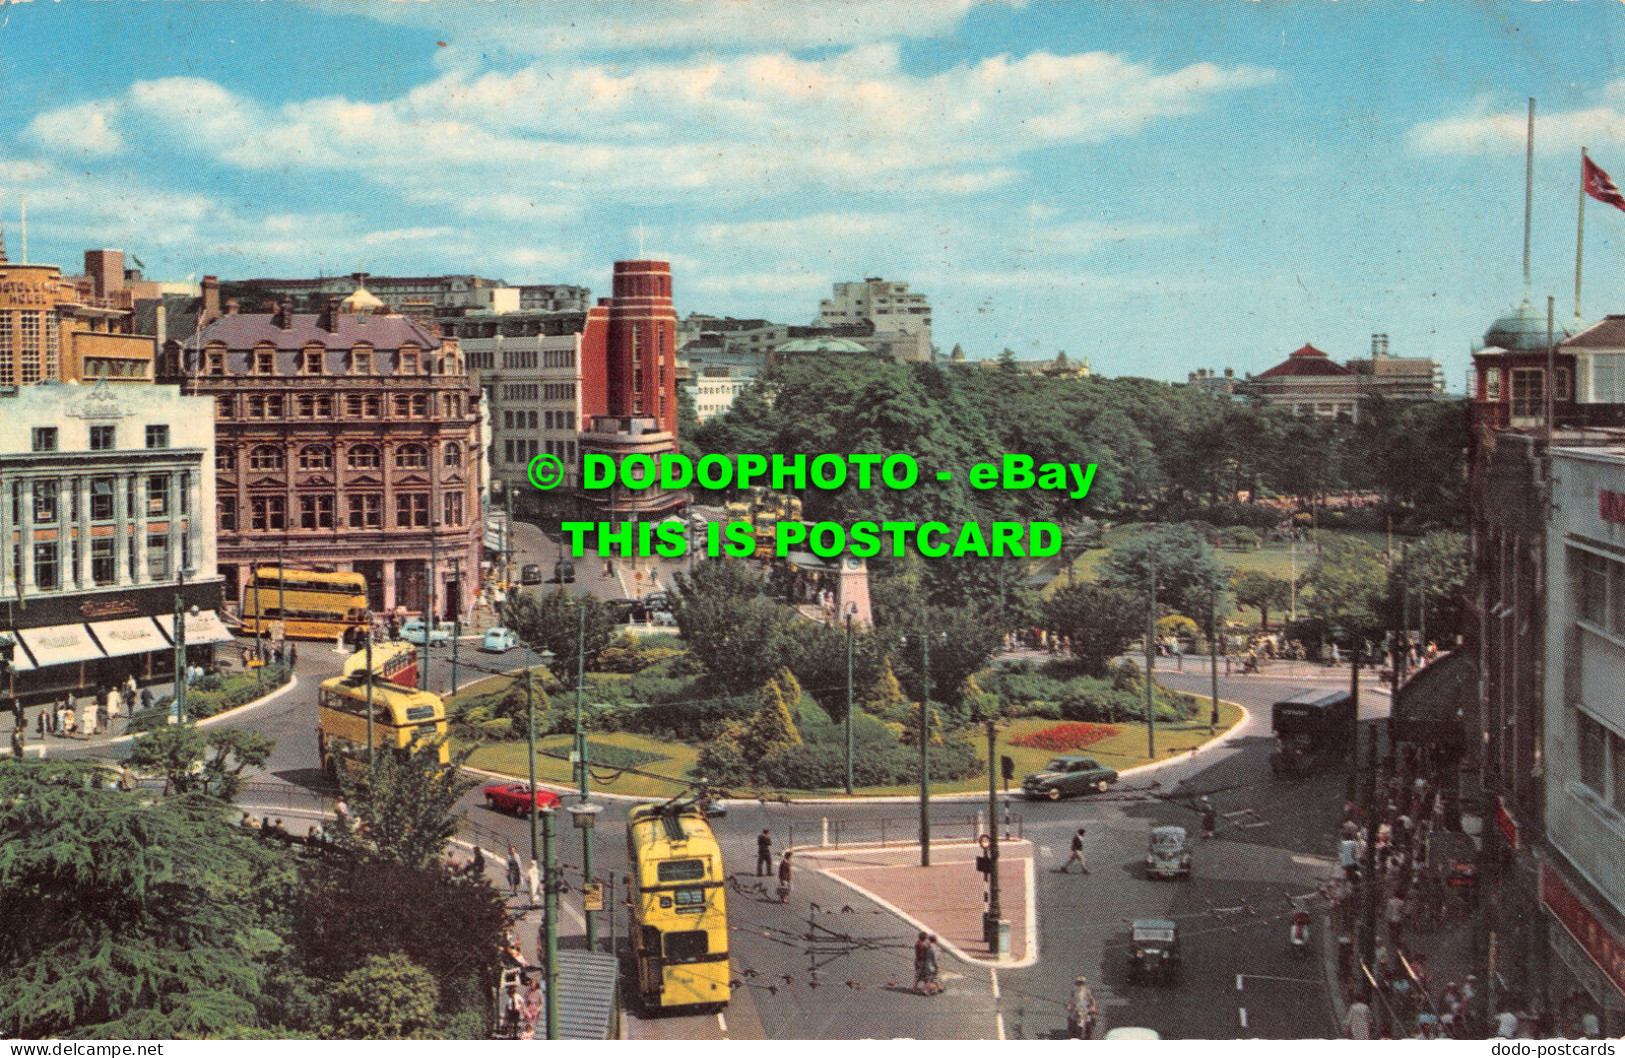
1004, 938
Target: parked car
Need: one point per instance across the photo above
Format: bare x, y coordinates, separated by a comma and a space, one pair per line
1132, 1032
1068, 776
516, 797
415, 629
657, 602
625, 610
564, 571
1153, 951
1169, 855
530, 574
499, 640
663, 618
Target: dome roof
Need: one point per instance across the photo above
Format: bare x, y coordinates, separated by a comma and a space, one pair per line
363, 300
1523, 330
821, 345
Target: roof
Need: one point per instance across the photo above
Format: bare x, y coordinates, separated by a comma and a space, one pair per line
1606, 333
1522, 330
1434, 705
822, 345
245, 331
360, 300
1153, 923
1305, 361
586, 1000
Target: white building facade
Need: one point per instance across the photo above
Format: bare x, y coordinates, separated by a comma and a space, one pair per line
889, 307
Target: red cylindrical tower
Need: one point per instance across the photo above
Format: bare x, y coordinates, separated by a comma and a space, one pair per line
642, 344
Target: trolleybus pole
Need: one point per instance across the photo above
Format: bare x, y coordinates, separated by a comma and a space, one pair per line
581, 762
550, 924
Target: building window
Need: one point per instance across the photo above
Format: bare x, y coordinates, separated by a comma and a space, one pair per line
47, 571
366, 510
411, 457
7, 348
361, 362
268, 513
402, 406
315, 512
214, 363
226, 514
364, 457
264, 362
223, 408
45, 501
1590, 575
225, 460
157, 495
1528, 392
411, 510
1593, 739
409, 362
508, 451
305, 406
183, 493
31, 354
157, 437
102, 499
157, 556
420, 405
324, 406
103, 566
315, 457
45, 438
1492, 384
453, 456
266, 457
101, 438
451, 508
352, 405
311, 364
1608, 378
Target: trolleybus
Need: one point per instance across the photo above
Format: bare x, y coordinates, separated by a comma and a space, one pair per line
310, 605
679, 910
401, 719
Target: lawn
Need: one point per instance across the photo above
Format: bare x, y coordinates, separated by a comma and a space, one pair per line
509, 759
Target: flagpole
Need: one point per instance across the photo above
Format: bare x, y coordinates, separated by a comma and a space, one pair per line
1528, 194
1579, 240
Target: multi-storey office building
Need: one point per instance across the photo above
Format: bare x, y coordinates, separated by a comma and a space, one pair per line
52, 331
343, 440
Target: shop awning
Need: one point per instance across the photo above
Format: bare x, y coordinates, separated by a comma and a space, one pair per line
202, 628
129, 635
1433, 705
20, 661
60, 645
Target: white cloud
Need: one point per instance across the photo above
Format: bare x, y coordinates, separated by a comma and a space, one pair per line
1485, 129
84, 128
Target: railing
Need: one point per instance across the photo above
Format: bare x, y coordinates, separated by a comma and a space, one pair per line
898, 830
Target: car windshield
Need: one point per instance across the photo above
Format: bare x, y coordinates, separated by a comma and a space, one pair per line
1163, 936
1058, 764
1167, 842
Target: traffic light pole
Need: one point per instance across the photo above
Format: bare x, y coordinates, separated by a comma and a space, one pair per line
990, 923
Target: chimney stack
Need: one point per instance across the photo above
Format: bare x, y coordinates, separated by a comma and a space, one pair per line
329, 320
211, 299
232, 307
284, 314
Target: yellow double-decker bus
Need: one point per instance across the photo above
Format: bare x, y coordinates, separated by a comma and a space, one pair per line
310, 605
401, 718
679, 909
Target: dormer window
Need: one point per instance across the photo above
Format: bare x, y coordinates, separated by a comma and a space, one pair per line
409, 362
361, 362
214, 363
311, 362
264, 362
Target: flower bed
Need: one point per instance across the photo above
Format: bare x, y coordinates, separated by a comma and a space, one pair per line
1065, 736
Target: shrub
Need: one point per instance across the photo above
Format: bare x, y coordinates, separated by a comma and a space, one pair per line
1065, 736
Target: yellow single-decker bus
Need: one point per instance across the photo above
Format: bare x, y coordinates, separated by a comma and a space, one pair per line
679, 910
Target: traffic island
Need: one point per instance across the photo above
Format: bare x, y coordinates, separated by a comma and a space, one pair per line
947, 898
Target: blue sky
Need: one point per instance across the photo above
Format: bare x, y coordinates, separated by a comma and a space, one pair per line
1159, 186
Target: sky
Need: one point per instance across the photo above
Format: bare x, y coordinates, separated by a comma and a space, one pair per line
1158, 186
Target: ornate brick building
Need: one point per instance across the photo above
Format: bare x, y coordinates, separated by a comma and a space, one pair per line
344, 439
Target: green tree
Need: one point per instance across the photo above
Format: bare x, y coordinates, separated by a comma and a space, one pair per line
405, 804
194, 761
553, 623
1099, 622
124, 917
770, 729
388, 997
1187, 576
1346, 588
885, 698
1261, 591
740, 637
1434, 572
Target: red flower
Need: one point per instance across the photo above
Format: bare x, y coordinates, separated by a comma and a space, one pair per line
1065, 736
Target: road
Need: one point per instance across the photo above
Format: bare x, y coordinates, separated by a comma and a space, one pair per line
831, 965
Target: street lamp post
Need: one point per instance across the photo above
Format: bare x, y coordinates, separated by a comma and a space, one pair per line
990, 922
180, 646
370, 742
851, 609
925, 751
1150, 663
429, 615
582, 815
456, 616
550, 920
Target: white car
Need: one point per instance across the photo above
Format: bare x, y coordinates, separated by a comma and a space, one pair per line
499, 640
414, 631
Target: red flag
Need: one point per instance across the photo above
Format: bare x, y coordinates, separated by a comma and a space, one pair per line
1599, 186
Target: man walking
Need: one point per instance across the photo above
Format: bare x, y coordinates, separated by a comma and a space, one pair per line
784, 879
1077, 855
764, 853
515, 871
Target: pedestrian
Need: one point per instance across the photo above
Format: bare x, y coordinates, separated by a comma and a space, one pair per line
533, 879
1357, 1019
1210, 818
533, 1009
1506, 1025
1348, 852
477, 867
19, 717
104, 713
341, 812
922, 978
146, 698
515, 870
293, 654
933, 978
87, 716
764, 852
43, 721
512, 1006
1077, 854
17, 742
784, 878
1081, 1012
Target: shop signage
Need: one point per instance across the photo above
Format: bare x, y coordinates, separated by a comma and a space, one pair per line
1611, 506
1605, 949
1506, 824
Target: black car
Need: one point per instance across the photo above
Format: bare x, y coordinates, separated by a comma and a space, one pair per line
564, 572
657, 602
531, 574
625, 610
1153, 951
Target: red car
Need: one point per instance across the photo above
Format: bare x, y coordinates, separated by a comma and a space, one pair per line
515, 797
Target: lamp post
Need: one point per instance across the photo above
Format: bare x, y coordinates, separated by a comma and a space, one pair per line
180, 645
990, 921
925, 748
429, 615
582, 815
370, 742
852, 608
550, 914
1150, 663
456, 616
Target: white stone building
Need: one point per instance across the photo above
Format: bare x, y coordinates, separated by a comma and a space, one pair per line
889, 307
